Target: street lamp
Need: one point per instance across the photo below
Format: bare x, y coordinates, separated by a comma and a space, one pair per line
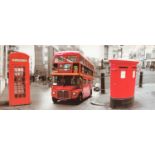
144, 57
121, 49
102, 64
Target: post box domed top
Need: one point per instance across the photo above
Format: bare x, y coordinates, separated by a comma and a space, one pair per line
18, 55
124, 61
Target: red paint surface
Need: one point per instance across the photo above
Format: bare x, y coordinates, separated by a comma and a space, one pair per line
85, 89
19, 60
121, 88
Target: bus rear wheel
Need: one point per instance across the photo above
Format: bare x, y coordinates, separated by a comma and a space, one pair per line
80, 98
91, 92
54, 100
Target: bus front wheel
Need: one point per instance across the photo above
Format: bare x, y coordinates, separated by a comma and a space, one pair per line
55, 100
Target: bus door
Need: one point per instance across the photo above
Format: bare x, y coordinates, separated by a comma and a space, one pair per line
86, 89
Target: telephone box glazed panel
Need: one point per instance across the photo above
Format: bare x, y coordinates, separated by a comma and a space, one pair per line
122, 81
19, 79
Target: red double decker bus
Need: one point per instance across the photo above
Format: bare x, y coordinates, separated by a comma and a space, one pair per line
72, 76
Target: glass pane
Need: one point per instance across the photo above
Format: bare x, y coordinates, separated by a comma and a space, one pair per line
19, 82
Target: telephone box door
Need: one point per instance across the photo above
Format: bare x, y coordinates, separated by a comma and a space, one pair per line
19, 79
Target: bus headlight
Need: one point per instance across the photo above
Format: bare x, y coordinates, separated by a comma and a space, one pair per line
74, 93
54, 92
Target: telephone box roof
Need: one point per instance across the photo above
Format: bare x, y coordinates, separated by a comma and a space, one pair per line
19, 55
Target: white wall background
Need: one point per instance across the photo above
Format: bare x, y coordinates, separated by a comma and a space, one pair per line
2, 80
93, 51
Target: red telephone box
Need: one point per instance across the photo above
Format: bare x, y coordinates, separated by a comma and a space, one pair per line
19, 79
122, 81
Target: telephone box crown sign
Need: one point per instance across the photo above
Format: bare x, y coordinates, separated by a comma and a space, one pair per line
18, 55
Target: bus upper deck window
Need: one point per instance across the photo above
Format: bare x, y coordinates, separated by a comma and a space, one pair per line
72, 58
55, 66
59, 59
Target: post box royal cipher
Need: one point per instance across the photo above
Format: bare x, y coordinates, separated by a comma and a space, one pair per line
19, 79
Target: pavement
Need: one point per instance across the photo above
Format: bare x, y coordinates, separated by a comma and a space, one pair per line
144, 99
41, 100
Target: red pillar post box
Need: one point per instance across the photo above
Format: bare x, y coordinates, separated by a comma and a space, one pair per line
122, 81
19, 79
